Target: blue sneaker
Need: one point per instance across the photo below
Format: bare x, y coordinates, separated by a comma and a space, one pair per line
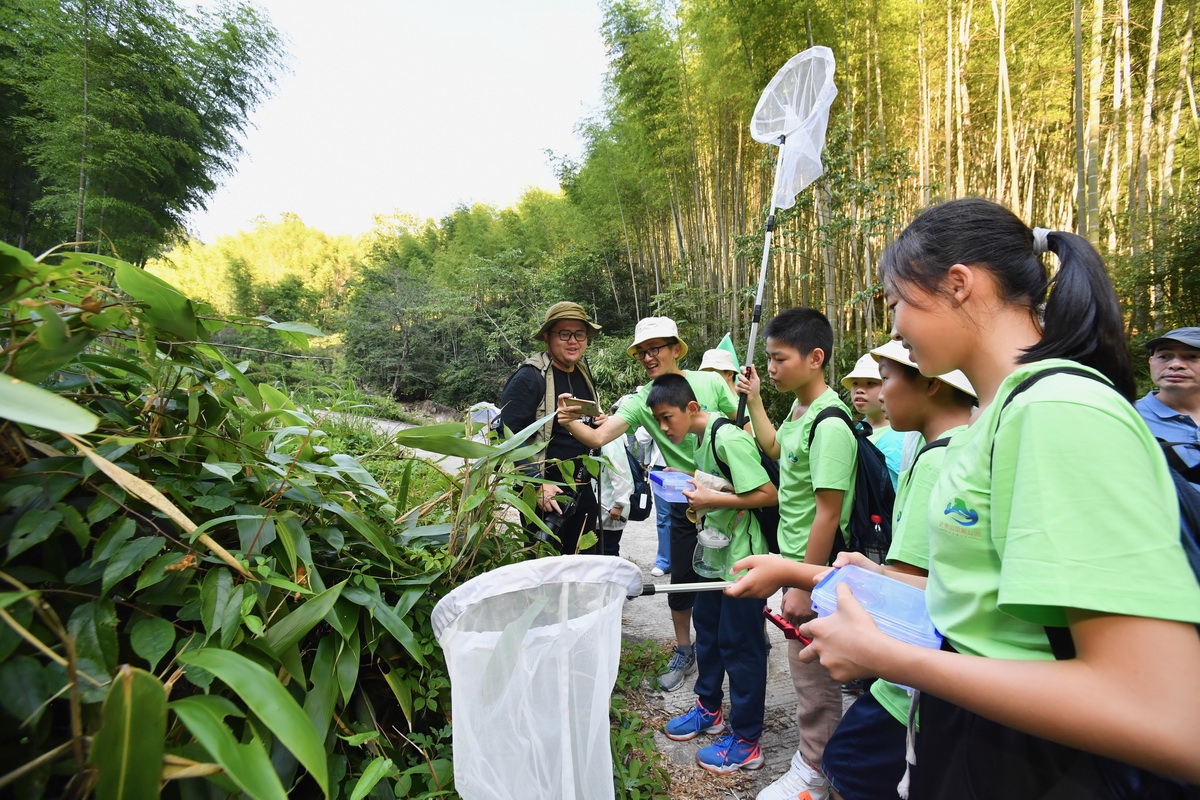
730, 753
695, 722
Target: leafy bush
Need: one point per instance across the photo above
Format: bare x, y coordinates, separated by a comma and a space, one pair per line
202, 592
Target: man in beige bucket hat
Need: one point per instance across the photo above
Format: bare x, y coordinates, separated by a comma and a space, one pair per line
529, 395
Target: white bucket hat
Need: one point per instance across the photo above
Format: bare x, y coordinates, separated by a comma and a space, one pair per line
894, 351
718, 359
865, 369
656, 328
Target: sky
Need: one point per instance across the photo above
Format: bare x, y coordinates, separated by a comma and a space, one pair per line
412, 106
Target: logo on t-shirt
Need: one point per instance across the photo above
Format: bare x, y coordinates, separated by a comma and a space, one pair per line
792, 458
958, 511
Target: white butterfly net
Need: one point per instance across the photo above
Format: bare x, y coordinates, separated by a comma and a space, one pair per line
795, 105
533, 650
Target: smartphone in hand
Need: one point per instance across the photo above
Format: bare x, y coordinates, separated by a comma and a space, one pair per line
588, 408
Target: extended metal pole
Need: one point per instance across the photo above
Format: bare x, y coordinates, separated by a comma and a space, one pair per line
669, 588
756, 316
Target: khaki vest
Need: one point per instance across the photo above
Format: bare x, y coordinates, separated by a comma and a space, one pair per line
542, 363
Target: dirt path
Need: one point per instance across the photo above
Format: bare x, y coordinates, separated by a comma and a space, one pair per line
648, 618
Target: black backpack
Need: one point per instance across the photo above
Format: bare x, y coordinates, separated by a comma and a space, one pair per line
874, 496
1187, 493
640, 504
767, 516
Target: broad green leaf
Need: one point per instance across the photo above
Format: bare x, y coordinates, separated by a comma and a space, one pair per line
269, 700
128, 748
151, 638
246, 764
220, 604
225, 469
373, 774
129, 559
209, 524
27, 688
94, 628
34, 527
73, 521
349, 466
164, 306
248, 389
32, 405
292, 628
368, 530
444, 444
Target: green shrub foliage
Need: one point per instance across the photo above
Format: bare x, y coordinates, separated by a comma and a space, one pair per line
190, 556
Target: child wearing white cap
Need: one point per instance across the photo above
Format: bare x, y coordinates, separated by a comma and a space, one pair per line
656, 344
863, 383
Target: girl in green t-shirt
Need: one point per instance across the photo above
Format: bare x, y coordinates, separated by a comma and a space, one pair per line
1060, 511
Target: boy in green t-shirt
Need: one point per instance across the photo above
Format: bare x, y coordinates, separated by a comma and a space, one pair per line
729, 636
816, 488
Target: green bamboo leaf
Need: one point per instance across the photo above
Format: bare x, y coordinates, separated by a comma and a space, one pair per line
247, 764
269, 700
33, 405
373, 774
389, 619
403, 694
292, 628
320, 700
128, 748
163, 305
296, 327
347, 666
8, 598
445, 444
151, 638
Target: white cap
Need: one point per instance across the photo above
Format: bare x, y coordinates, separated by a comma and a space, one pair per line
656, 328
894, 351
865, 369
718, 359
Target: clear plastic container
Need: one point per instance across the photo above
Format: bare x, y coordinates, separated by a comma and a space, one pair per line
712, 557
669, 486
898, 608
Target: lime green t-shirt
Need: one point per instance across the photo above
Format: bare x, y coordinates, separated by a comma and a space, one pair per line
830, 465
740, 452
1075, 510
713, 395
910, 544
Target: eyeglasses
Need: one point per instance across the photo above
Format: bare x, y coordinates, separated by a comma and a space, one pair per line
566, 336
651, 352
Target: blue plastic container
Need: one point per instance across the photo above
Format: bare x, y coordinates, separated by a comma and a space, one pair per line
669, 486
898, 608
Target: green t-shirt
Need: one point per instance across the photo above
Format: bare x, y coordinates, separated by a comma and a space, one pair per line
1077, 510
740, 452
910, 544
713, 395
830, 465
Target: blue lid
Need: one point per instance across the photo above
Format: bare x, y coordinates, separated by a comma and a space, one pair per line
898, 608
670, 485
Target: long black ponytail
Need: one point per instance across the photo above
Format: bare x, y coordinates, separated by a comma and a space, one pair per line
1081, 319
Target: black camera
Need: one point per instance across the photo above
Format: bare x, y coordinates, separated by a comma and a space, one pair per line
554, 519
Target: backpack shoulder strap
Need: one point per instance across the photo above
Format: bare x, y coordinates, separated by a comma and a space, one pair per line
942, 442
826, 413
1033, 379
720, 423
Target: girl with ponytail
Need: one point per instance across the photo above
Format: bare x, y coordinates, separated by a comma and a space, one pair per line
1054, 517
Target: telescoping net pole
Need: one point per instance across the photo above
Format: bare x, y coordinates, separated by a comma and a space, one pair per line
756, 315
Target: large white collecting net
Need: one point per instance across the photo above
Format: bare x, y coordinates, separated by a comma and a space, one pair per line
532, 650
795, 105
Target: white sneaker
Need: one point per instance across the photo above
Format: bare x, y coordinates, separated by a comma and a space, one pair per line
801, 782
656, 572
